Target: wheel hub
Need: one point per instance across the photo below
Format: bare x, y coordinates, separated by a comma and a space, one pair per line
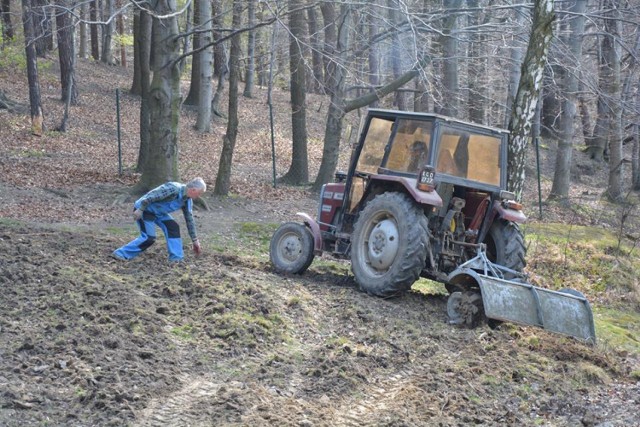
383, 244
291, 247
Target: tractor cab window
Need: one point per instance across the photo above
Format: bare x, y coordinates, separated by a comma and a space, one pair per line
373, 149
378, 135
469, 156
410, 149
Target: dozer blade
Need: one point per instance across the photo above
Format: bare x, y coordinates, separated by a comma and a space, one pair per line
566, 312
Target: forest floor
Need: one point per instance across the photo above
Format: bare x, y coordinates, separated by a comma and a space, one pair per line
223, 340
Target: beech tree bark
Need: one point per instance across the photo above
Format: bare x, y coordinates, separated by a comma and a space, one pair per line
144, 57
164, 99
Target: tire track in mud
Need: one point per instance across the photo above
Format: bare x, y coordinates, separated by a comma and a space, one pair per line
177, 409
382, 395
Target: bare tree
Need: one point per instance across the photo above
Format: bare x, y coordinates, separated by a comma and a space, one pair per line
37, 117
195, 83
611, 69
66, 53
203, 122
251, 51
7, 26
164, 98
570, 82
223, 179
449, 44
107, 33
143, 42
298, 172
95, 40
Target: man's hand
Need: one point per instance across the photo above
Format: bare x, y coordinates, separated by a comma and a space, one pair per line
137, 214
196, 248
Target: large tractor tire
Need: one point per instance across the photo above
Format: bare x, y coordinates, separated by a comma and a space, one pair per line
389, 244
505, 245
291, 248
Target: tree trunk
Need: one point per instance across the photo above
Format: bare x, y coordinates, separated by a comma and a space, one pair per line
203, 122
7, 26
37, 117
528, 93
516, 62
107, 33
328, 52
223, 180
42, 27
135, 85
95, 40
570, 82
82, 49
449, 43
196, 85
251, 52
220, 68
597, 147
66, 53
121, 33
299, 170
164, 99
145, 25
477, 69
585, 115
374, 60
611, 52
394, 51
316, 50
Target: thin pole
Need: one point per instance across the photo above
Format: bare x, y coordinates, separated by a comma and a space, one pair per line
270, 103
119, 140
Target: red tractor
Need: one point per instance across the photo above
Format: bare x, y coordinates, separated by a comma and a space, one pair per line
425, 196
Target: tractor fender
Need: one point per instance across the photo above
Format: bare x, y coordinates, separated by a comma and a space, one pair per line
315, 231
430, 198
509, 214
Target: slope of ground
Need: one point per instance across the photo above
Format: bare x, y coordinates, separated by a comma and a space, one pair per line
221, 339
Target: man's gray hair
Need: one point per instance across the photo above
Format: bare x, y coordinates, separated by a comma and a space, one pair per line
198, 184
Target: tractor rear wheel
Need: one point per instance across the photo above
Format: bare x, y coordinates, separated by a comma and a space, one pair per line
389, 244
291, 248
505, 245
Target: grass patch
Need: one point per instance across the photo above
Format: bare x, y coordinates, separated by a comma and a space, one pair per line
618, 329
429, 287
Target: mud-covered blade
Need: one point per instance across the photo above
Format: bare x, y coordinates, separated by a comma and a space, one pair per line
513, 301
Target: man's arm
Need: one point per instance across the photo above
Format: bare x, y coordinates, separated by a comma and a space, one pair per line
187, 210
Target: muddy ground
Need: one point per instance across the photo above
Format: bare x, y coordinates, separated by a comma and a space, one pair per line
222, 340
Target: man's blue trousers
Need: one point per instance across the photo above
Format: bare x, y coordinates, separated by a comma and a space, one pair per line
147, 225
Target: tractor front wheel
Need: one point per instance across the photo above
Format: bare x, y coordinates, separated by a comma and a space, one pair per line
389, 244
291, 248
505, 245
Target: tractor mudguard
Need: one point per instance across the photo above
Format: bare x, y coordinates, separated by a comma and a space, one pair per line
566, 312
431, 198
509, 214
315, 231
